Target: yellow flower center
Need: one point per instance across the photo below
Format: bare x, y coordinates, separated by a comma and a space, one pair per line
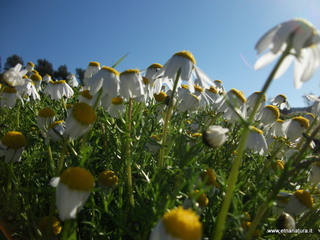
36, 77
47, 224
185, 86
210, 177
69, 105
274, 110
196, 135
46, 112
155, 138
94, 64
117, 100
55, 123
160, 97
57, 82
201, 198
239, 94
35, 71
130, 71
279, 164
283, 96
77, 178
14, 140
84, 113
145, 80
155, 65
183, 224
9, 90
198, 88
108, 178
31, 64
213, 90
86, 94
218, 81
303, 121
304, 198
257, 130
280, 120
186, 54
112, 70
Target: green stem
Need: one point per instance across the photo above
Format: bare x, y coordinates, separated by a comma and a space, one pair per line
61, 162
69, 230
128, 154
166, 123
233, 177
52, 164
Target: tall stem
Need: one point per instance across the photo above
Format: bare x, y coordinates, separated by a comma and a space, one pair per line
232, 180
128, 154
166, 123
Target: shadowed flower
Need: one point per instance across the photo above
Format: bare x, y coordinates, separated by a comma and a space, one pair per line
257, 142
73, 189
293, 128
108, 178
58, 89
281, 102
13, 144
303, 39
215, 136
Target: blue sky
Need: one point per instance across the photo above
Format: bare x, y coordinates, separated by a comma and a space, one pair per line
220, 34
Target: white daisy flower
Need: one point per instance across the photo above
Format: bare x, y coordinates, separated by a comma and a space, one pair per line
72, 80
8, 97
251, 102
215, 136
58, 89
28, 90
257, 142
87, 98
46, 78
304, 40
301, 201
178, 224
80, 120
37, 80
151, 73
131, 84
56, 131
293, 128
13, 76
106, 78
117, 107
45, 118
92, 69
30, 66
73, 189
268, 115
13, 144
314, 174
281, 102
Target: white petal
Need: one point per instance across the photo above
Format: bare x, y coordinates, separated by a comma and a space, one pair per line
284, 66
265, 60
265, 41
54, 181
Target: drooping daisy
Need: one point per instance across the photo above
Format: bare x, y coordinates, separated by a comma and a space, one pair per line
215, 96
215, 136
177, 224
37, 79
92, 69
188, 102
56, 131
251, 102
72, 80
299, 202
46, 78
45, 118
117, 107
268, 115
131, 84
80, 120
30, 66
314, 174
58, 89
304, 47
233, 105
9, 97
13, 144
205, 99
14, 76
87, 98
257, 142
293, 128
156, 83
28, 90
281, 102
106, 78
73, 189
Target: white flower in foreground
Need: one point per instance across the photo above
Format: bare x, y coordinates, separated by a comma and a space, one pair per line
73, 189
293, 128
13, 76
9, 96
178, 224
215, 136
106, 78
299, 202
304, 40
257, 142
13, 144
281, 102
58, 89
131, 84
80, 120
